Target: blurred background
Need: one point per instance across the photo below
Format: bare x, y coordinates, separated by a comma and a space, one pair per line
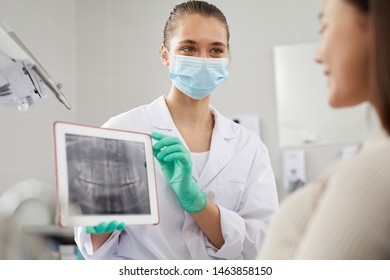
106, 55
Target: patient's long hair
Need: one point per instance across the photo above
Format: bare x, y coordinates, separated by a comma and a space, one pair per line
380, 14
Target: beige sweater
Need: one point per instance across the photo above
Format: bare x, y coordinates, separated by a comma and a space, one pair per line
346, 215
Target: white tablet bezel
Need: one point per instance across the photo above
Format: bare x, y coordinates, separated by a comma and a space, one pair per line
65, 218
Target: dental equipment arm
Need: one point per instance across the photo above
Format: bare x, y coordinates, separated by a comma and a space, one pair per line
22, 78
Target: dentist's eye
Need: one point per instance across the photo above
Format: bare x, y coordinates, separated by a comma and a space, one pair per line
189, 49
216, 51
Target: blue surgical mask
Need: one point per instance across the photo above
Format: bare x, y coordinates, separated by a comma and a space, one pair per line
198, 77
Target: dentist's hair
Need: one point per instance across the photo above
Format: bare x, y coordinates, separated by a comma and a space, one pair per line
192, 8
379, 10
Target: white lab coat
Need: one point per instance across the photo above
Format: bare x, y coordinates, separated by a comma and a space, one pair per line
238, 177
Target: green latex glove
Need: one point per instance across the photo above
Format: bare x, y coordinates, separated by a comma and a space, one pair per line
105, 228
176, 165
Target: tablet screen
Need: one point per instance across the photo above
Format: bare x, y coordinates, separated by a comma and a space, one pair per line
103, 175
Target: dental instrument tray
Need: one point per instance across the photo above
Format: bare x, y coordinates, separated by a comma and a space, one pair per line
103, 175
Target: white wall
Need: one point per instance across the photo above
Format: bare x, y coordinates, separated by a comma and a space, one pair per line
107, 51
304, 114
46, 28
119, 65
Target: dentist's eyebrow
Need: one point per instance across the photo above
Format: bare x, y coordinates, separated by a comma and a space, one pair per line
219, 44
191, 42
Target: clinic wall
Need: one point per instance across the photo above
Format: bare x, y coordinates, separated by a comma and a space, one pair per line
108, 52
46, 28
119, 68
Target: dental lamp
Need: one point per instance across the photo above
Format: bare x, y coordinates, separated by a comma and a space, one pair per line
23, 80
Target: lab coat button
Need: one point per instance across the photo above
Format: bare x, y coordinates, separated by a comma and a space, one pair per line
189, 232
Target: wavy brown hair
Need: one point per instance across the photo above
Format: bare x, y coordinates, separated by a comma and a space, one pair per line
380, 15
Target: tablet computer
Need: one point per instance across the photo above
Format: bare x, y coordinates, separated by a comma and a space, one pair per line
103, 175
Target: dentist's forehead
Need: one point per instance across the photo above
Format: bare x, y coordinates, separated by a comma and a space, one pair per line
200, 26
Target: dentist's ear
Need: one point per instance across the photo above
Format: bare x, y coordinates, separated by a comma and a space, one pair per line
164, 55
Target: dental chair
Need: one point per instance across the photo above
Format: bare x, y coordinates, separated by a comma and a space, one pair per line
30, 203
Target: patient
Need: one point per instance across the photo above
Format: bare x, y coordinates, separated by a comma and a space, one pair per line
346, 214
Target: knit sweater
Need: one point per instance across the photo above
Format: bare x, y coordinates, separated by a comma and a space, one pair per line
344, 215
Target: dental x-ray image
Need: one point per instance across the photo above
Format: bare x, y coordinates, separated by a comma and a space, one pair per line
107, 176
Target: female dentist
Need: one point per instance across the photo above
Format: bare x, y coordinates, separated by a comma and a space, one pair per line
216, 187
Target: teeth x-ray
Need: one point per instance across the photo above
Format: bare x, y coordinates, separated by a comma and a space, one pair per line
107, 176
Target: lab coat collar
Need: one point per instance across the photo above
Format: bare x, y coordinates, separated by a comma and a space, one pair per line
223, 126
220, 151
160, 116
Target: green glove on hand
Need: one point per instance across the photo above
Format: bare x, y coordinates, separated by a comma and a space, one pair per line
105, 228
176, 165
